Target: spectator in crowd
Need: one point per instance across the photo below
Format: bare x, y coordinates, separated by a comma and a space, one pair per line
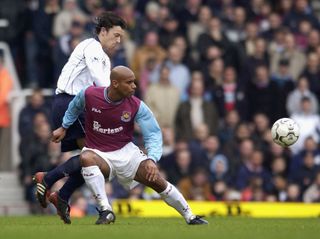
194, 112
312, 73
293, 193
310, 147
34, 151
239, 149
279, 167
168, 31
35, 104
163, 98
285, 84
63, 20
181, 167
219, 191
260, 56
296, 58
261, 127
198, 27
274, 21
252, 168
219, 168
294, 98
248, 43
214, 36
279, 190
306, 174
197, 145
254, 191
78, 206
149, 22
149, 49
196, 186
230, 95
301, 36
262, 95
313, 40
308, 121
300, 11
227, 129
188, 13
43, 30
128, 12
312, 193
213, 73
180, 75
235, 30
6, 86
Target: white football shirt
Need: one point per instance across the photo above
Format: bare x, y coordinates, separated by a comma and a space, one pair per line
88, 65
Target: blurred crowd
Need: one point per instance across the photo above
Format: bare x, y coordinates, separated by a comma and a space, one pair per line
216, 74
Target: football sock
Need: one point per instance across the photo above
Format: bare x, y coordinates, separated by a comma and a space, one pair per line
69, 167
96, 183
74, 181
174, 198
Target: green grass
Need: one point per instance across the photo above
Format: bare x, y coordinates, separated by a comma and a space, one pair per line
169, 228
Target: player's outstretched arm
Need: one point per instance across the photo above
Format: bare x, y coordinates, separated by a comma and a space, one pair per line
75, 108
151, 132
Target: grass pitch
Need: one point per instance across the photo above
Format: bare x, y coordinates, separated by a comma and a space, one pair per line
47, 227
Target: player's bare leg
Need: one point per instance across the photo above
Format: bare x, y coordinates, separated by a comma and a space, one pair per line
149, 175
94, 172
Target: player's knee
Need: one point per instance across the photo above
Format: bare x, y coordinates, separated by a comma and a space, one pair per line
87, 159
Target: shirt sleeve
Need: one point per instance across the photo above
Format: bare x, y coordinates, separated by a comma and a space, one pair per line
96, 64
75, 108
151, 132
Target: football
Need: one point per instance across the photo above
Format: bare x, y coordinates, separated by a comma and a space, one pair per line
285, 132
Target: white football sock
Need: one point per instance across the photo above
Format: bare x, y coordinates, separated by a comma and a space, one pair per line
174, 198
96, 183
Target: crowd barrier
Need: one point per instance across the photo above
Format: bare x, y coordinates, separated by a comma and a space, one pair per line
142, 208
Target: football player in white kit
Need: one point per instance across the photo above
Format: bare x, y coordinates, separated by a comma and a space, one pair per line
88, 65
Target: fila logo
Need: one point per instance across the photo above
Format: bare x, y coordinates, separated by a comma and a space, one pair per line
96, 110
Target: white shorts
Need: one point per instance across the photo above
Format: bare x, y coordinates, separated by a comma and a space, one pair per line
123, 163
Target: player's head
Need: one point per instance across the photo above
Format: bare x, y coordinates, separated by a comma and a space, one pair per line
123, 81
110, 28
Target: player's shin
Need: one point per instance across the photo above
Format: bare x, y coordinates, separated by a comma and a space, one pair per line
69, 167
175, 199
96, 183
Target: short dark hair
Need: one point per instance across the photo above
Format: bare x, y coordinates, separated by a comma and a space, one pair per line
109, 20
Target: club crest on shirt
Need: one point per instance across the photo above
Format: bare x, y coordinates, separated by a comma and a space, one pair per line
126, 116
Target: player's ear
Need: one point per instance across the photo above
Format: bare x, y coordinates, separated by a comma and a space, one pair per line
114, 83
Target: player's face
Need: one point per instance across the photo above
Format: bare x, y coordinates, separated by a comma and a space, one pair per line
127, 86
111, 38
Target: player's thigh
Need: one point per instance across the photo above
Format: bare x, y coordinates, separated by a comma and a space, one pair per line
90, 158
141, 176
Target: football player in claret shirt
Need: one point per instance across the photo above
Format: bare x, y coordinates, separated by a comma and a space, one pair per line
109, 152
89, 64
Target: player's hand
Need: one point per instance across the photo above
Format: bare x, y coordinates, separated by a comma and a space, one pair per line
58, 134
152, 170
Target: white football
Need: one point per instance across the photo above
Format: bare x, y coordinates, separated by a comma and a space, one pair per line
285, 132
